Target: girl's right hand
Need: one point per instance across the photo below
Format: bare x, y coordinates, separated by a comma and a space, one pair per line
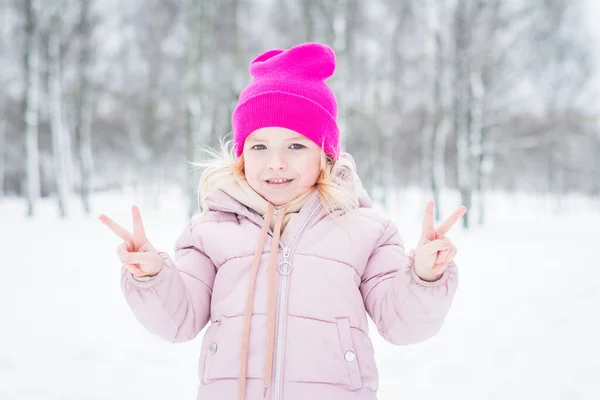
136, 252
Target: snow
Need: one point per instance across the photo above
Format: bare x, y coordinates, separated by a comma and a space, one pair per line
524, 325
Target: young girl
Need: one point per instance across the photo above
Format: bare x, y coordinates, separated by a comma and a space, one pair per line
288, 257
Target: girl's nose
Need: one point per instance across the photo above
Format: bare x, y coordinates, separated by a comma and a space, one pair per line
276, 162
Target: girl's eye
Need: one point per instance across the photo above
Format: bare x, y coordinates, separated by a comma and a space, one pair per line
259, 147
297, 146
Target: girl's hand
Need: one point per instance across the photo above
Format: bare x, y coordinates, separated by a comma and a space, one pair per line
136, 252
435, 251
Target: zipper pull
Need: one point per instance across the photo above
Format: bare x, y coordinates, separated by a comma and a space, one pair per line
285, 267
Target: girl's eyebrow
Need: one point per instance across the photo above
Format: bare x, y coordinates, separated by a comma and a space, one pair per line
296, 138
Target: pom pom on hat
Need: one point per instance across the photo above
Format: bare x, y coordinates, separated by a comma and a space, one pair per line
288, 90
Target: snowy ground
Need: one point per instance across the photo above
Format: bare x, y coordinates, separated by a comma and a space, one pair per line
525, 323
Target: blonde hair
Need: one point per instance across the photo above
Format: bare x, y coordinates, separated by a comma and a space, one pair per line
223, 167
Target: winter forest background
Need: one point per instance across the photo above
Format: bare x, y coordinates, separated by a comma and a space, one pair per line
489, 103
474, 95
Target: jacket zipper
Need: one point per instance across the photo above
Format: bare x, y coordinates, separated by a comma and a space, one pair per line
285, 268
287, 250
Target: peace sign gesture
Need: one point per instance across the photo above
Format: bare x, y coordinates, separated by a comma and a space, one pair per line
435, 251
135, 252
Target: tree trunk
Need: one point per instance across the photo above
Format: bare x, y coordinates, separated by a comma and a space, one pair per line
477, 94
436, 138
556, 175
29, 127
193, 103
308, 20
150, 170
59, 142
485, 167
461, 111
3, 152
4, 52
83, 113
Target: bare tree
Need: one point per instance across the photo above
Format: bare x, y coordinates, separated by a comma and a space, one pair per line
84, 106
158, 21
564, 75
435, 133
225, 66
487, 25
462, 43
196, 47
29, 127
60, 142
3, 145
4, 53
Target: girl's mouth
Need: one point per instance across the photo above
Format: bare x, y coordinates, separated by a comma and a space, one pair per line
278, 182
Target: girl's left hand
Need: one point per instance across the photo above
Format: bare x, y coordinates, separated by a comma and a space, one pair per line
435, 251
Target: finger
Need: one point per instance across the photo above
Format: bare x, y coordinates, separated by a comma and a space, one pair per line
441, 256
135, 270
123, 252
146, 247
116, 228
139, 233
445, 226
428, 222
130, 245
140, 258
446, 256
433, 247
452, 255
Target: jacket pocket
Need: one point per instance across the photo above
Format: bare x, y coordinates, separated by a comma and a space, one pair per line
321, 352
208, 348
223, 349
366, 359
349, 351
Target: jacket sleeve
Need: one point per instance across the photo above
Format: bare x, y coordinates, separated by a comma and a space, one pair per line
174, 304
405, 308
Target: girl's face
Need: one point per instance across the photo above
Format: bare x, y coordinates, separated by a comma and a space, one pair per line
281, 164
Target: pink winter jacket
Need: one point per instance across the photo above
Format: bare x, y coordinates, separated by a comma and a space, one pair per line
337, 271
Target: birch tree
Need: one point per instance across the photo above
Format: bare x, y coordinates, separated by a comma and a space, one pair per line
462, 42
435, 129
29, 125
225, 65
564, 73
3, 146
4, 54
196, 10
158, 18
83, 103
60, 142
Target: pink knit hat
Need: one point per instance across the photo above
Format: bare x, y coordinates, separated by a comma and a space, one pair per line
288, 90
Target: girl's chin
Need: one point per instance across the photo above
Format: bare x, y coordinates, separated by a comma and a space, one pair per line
279, 199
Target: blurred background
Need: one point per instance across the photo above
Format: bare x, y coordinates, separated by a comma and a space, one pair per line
487, 103
474, 95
